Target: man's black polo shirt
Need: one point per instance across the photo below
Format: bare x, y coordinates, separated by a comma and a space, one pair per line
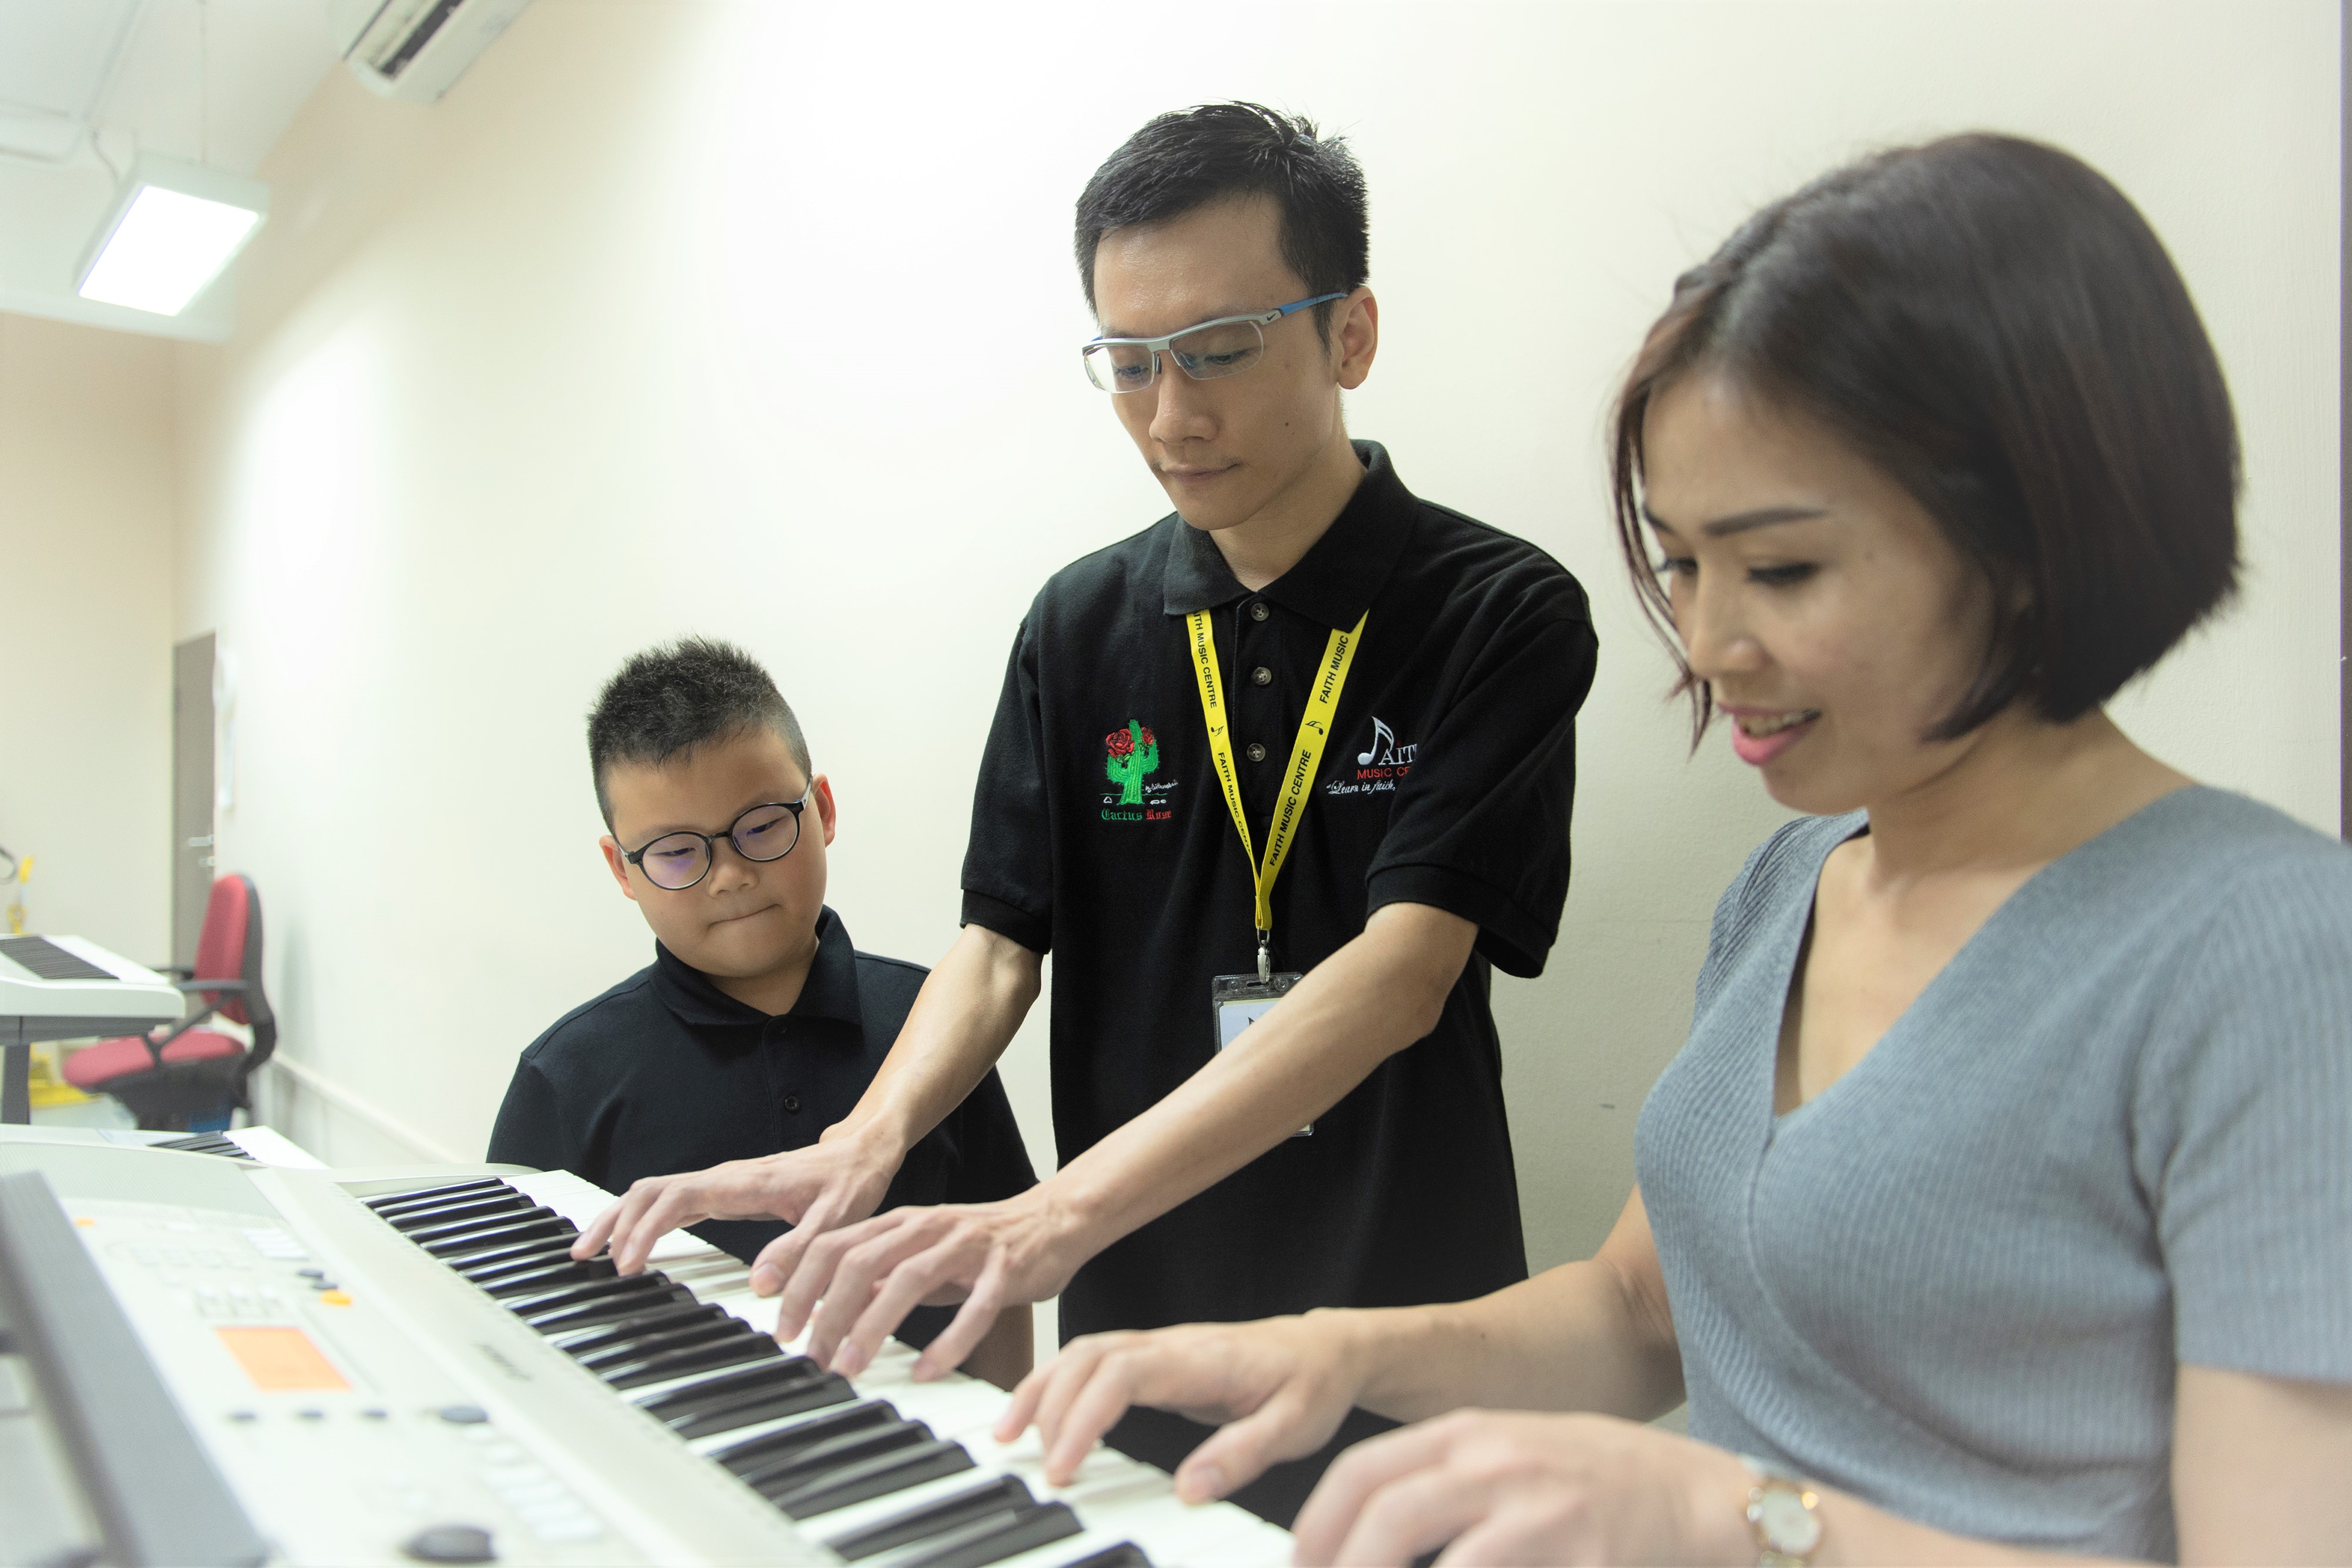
1447, 782
665, 1073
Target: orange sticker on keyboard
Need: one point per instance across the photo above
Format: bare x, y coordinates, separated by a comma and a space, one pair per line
282, 1360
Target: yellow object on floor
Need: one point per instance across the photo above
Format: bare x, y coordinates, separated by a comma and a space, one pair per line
49, 1088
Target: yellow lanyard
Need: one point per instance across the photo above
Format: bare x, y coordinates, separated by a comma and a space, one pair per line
1314, 729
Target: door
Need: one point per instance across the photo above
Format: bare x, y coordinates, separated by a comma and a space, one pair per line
192, 792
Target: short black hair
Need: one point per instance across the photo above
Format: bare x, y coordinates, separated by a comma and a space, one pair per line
668, 700
1995, 325
1189, 158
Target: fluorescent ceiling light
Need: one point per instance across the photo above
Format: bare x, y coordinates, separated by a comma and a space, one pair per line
173, 227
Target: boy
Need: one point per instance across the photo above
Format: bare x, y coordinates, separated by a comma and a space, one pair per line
757, 1026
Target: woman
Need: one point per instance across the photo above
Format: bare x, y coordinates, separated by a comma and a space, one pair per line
2000, 1202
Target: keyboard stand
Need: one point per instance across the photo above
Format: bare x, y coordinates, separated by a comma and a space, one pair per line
17, 1037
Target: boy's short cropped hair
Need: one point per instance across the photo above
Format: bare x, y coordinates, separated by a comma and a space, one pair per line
1992, 322
1189, 158
668, 700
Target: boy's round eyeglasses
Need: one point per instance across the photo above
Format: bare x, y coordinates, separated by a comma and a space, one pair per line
676, 861
1225, 346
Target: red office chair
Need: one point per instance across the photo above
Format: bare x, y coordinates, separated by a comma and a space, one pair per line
187, 1079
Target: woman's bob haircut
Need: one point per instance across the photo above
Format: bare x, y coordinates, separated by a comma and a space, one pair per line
1995, 325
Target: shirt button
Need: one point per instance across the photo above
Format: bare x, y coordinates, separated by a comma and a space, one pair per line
1256, 752
1262, 675
1259, 611
792, 1105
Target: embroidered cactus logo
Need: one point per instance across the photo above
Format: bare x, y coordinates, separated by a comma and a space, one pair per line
1134, 756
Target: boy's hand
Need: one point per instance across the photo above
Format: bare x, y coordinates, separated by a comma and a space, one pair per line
833, 1182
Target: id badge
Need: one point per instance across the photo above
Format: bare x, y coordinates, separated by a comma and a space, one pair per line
1237, 1001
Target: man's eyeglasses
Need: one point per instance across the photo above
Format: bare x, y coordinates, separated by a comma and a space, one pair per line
1225, 346
676, 861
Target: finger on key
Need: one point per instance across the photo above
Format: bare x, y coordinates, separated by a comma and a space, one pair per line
969, 1326
600, 1231
858, 1281
773, 1267
1092, 1410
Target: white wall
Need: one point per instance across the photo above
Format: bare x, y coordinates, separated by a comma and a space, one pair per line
86, 572
760, 320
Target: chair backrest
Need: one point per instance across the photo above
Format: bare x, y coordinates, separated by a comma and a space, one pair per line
228, 947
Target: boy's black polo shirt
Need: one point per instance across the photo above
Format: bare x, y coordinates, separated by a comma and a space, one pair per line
1447, 782
665, 1073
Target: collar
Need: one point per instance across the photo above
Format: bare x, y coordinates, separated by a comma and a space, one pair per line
829, 992
1334, 581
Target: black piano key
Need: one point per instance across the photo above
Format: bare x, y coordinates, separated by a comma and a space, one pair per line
605, 1309
385, 1200
579, 1342
678, 1336
794, 1398
398, 1213
497, 1254
556, 1296
878, 1477
1126, 1554
444, 1229
532, 1279
409, 1219
545, 1252
750, 1345
758, 1453
979, 1545
672, 1402
522, 1230
836, 1456
999, 1500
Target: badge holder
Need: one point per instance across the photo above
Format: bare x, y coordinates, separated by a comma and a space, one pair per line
1237, 1001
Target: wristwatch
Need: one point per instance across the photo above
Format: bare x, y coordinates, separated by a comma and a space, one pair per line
1781, 1514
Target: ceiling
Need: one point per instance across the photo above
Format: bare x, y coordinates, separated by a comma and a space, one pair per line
86, 84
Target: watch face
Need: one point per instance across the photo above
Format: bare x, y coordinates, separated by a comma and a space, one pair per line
1787, 1522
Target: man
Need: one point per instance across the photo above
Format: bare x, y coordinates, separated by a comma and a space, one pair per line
1390, 690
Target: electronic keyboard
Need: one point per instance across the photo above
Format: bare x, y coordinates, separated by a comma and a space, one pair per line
391, 1367
68, 988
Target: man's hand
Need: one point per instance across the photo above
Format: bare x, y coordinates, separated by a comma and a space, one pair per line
835, 1181
1284, 1383
851, 1287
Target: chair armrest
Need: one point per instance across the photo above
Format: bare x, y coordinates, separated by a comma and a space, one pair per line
194, 985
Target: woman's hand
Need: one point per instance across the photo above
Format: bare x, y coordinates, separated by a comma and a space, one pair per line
1504, 1487
1284, 1383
